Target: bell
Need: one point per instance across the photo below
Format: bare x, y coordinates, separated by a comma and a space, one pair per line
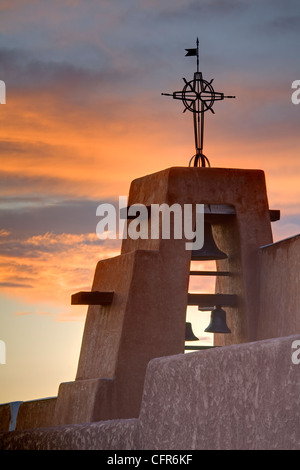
218, 321
209, 251
189, 335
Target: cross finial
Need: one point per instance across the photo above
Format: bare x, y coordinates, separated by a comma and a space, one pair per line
198, 96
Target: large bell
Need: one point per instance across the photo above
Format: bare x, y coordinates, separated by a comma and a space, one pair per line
209, 251
189, 335
218, 322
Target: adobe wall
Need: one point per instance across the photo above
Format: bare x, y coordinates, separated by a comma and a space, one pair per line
149, 281
110, 377
244, 396
279, 289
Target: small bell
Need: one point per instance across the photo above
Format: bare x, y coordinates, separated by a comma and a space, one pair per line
218, 321
189, 335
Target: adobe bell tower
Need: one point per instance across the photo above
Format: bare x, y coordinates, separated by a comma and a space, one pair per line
138, 301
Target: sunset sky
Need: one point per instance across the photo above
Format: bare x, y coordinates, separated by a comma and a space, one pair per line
84, 116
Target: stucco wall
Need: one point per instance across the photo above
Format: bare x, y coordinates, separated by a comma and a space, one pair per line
245, 396
279, 289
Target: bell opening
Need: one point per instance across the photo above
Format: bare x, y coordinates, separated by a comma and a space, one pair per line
189, 334
209, 251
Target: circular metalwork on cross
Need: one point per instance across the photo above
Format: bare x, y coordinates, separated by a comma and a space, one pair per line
198, 96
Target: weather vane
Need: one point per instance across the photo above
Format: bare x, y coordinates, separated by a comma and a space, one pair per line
198, 96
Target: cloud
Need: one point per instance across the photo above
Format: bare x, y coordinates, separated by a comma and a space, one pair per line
37, 245
87, 84
285, 24
181, 9
50, 267
22, 313
15, 284
28, 216
4, 233
84, 115
50, 249
87, 128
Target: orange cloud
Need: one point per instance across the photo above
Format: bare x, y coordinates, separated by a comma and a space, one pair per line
52, 267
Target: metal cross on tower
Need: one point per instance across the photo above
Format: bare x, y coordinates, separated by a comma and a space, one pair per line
198, 96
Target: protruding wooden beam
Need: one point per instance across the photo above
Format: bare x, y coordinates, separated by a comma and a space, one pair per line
92, 298
274, 215
213, 213
210, 273
212, 300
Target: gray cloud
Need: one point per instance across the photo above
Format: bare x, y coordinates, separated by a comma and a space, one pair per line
284, 24
23, 184
15, 284
22, 70
204, 8
41, 215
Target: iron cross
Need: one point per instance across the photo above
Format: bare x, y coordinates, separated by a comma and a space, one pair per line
198, 96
